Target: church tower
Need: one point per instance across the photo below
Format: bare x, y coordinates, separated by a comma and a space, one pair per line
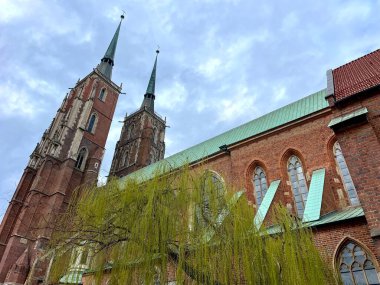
142, 136
68, 155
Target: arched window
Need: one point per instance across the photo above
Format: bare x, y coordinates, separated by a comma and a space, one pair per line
345, 175
212, 199
154, 135
130, 131
298, 183
260, 184
125, 159
356, 266
81, 159
92, 123
102, 94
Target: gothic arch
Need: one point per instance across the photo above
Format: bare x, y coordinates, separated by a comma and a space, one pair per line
131, 130
294, 171
249, 173
212, 187
81, 159
330, 145
155, 135
284, 161
102, 94
125, 158
92, 123
343, 243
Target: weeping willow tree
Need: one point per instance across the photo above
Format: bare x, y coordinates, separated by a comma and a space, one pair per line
188, 222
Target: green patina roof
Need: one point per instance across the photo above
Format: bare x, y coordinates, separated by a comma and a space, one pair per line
346, 117
265, 205
107, 62
73, 277
294, 111
152, 81
110, 53
346, 214
333, 217
314, 198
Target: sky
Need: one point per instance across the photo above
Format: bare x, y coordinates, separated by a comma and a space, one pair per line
222, 62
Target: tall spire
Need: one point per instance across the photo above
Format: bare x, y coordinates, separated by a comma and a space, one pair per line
107, 61
150, 90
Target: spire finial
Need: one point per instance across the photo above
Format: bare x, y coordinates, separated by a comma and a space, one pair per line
107, 61
150, 90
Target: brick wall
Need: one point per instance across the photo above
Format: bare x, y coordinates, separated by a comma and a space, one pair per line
360, 142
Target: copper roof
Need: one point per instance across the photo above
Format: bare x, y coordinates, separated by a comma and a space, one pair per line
357, 75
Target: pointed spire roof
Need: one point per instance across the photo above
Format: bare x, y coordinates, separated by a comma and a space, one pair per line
150, 90
107, 61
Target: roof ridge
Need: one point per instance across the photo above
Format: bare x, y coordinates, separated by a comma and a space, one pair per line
250, 122
354, 60
272, 120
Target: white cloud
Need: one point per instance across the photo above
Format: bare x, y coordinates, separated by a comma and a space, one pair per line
15, 102
210, 68
231, 58
289, 22
201, 104
16, 9
173, 97
173, 143
353, 11
279, 93
40, 86
242, 103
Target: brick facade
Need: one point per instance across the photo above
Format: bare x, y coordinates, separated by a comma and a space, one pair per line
141, 142
67, 157
311, 139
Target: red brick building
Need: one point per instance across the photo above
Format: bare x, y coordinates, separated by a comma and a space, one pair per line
68, 156
142, 136
319, 156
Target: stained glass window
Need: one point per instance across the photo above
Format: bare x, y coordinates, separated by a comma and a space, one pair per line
356, 266
298, 183
345, 175
260, 184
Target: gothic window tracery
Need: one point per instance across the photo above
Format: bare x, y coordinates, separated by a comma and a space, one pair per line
345, 175
81, 158
130, 131
356, 266
91, 123
298, 184
102, 94
212, 199
125, 159
155, 135
260, 184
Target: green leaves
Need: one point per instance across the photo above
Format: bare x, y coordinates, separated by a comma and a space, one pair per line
188, 223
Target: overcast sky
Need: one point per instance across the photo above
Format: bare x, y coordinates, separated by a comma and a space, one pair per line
222, 63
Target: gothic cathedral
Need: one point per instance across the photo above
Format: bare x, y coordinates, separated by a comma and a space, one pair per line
69, 156
142, 136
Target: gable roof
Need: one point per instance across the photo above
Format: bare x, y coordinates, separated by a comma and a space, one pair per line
357, 75
292, 112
